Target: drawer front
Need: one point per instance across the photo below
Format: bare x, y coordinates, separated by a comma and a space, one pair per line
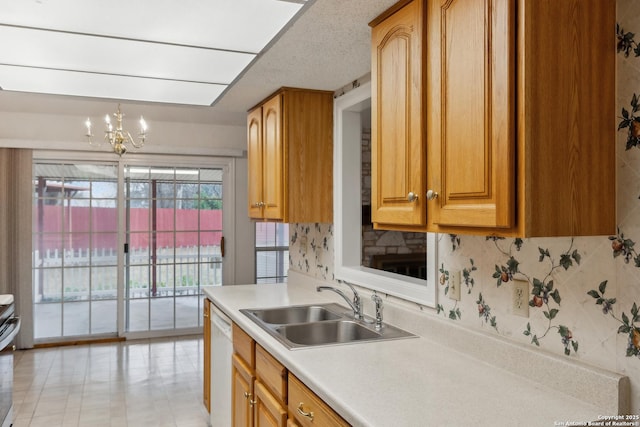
271, 373
244, 346
308, 409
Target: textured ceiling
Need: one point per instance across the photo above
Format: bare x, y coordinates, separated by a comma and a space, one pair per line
327, 47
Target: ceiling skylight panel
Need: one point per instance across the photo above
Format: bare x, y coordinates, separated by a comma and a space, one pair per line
63, 51
242, 25
21, 79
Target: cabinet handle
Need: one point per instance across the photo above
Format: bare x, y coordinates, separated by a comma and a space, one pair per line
205, 315
432, 195
412, 197
247, 395
303, 413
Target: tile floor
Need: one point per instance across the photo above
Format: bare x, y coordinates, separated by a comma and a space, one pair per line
156, 382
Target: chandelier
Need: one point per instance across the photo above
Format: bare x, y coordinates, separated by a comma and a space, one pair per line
118, 137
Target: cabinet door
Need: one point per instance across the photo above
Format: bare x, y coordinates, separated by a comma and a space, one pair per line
206, 392
471, 130
242, 397
398, 154
268, 410
274, 173
255, 165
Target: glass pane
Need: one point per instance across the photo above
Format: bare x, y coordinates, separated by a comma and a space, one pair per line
162, 313
48, 246
104, 215
47, 320
187, 279
187, 217
139, 218
165, 190
139, 255
211, 190
187, 313
76, 189
47, 285
164, 279
75, 218
76, 319
265, 234
104, 281
76, 283
139, 241
211, 219
164, 240
187, 247
270, 234
47, 217
104, 248
186, 190
76, 245
139, 314
282, 234
137, 189
139, 281
211, 272
103, 317
104, 189
210, 245
164, 215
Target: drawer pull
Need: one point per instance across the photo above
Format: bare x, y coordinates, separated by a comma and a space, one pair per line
302, 412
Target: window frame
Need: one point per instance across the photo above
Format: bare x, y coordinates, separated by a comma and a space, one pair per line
348, 109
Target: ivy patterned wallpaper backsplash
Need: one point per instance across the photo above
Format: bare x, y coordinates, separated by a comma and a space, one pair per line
584, 292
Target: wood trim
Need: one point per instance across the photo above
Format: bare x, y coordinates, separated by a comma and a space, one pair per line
79, 342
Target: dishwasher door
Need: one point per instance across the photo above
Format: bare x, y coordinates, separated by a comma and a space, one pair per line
221, 351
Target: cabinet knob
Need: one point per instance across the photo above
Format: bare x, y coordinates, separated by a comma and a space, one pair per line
412, 197
432, 195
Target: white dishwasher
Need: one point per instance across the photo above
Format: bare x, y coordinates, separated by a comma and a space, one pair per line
221, 351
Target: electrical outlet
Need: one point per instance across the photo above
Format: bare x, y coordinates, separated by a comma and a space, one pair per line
520, 298
454, 285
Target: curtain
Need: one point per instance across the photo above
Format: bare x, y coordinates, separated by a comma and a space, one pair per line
16, 192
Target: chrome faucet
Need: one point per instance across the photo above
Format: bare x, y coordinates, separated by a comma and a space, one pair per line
378, 301
356, 305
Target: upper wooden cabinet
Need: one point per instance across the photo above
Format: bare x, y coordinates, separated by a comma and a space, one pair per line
516, 119
398, 152
290, 157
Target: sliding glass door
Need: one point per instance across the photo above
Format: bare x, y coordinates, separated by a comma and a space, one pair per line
174, 244
123, 250
75, 235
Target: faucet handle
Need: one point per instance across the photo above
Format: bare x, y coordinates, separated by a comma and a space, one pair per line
378, 301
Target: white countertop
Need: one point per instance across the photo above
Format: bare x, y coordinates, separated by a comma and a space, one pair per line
409, 382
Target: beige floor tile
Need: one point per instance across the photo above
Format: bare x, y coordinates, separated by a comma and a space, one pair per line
155, 382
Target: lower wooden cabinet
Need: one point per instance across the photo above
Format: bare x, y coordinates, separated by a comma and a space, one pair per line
308, 409
269, 412
242, 386
265, 394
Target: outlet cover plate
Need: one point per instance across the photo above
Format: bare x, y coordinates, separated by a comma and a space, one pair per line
454, 285
520, 298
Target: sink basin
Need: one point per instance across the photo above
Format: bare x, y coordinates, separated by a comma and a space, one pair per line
322, 333
295, 314
314, 325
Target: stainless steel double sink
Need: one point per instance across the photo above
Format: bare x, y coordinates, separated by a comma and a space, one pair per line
313, 325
